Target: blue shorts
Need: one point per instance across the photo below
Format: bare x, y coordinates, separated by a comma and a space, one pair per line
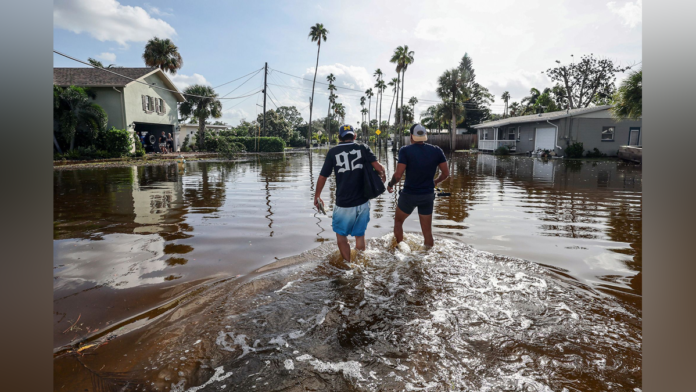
407, 203
351, 220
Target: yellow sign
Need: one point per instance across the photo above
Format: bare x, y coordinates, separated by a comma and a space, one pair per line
378, 131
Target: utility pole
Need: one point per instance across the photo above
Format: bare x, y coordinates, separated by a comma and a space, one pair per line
265, 87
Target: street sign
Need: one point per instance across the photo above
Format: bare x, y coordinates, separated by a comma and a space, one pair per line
378, 131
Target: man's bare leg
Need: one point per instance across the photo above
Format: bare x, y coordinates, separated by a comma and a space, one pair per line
360, 243
426, 222
343, 246
399, 219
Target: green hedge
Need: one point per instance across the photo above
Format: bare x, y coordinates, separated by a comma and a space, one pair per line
265, 144
117, 142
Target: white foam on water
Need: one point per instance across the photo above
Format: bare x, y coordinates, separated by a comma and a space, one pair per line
219, 375
289, 365
287, 285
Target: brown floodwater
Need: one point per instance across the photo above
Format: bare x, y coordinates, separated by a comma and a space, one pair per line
535, 283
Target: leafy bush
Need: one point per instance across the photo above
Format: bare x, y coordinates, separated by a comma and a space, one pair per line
574, 150
265, 144
84, 153
117, 142
228, 148
595, 153
185, 145
297, 140
502, 150
139, 149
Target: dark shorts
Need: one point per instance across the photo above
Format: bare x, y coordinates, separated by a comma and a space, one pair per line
407, 203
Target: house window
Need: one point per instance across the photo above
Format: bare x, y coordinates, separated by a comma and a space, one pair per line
511, 134
608, 134
485, 134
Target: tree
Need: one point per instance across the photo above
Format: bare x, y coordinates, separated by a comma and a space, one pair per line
162, 54
529, 101
403, 58
394, 83
201, 103
628, 100
291, 115
332, 97
317, 33
381, 86
584, 80
369, 94
413, 101
453, 92
480, 99
276, 125
99, 64
505, 97
73, 110
514, 109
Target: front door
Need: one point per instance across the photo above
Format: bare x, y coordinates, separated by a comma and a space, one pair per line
634, 137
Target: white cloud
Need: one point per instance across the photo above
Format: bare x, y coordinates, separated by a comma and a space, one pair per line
631, 13
156, 11
106, 56
183, 81
349, 76
108, 20
517, 82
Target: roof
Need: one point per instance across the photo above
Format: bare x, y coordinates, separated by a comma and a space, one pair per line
540, 117
95, 77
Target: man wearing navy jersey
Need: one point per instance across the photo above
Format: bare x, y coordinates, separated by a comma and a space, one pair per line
352, 210
420, 161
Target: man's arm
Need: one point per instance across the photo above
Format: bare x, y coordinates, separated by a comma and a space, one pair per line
444, 173
320, 187
400, 168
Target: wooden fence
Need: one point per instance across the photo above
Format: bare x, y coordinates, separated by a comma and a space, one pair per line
461, 142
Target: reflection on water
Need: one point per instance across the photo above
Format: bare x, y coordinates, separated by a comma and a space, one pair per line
129, 239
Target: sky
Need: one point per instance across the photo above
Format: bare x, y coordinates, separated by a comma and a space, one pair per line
511, 44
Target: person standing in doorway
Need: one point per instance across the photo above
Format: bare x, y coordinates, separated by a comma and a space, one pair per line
419, 161
170, 142
163, 143
352, 210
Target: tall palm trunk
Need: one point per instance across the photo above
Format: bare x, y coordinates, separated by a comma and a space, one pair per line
328, 120
401, 130
369, 106
201, 132
381, 95
396, 110
311, 102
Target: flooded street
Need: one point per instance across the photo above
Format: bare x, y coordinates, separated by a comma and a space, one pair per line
186, 277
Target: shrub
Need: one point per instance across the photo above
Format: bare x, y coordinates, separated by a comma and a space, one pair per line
116, 142
502, 150
574, 150
297, 140
265, 144
227, 148
185, 145
139, 149
595, 153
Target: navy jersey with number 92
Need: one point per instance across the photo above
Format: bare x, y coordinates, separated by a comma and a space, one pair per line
346, 161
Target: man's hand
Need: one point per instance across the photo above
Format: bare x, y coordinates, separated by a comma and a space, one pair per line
383, 176
317, 199
390, 189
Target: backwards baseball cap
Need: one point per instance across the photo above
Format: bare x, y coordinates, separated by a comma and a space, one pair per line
419, 133
346, 129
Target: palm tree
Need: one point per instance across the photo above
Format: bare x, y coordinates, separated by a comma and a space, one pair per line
316, 34
369, 94
628, 99
413, 101
99, 64
452, 90
331, 78
381, 86
514, 109
530, 100
394, 83
73, 109
505, 97
162, 54
201, 104
402, 57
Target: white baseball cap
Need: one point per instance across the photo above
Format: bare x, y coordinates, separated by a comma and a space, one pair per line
419, 133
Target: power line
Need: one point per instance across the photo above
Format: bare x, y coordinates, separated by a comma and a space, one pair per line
274, 104
251, 77
138, 81
258, 70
